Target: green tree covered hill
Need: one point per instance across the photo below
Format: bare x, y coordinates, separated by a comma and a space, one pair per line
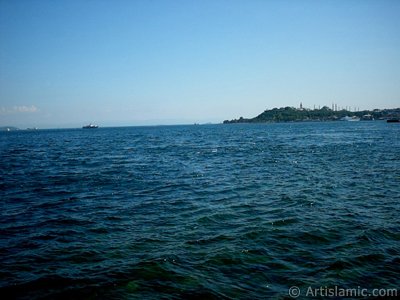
291, 114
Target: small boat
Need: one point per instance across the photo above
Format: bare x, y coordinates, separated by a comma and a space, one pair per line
350, 119
90, 126
367, 117
393, 120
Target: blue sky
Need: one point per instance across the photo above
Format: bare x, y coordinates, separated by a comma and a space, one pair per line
67, 63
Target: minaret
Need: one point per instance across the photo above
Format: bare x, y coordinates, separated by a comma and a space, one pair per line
301, 106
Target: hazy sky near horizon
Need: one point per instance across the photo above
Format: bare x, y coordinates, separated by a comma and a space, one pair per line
67, 63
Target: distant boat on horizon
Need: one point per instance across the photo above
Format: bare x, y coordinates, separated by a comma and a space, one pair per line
367, 117
90, 126
393, 120
350, 119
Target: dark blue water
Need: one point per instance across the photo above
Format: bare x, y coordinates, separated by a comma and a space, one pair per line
219, 211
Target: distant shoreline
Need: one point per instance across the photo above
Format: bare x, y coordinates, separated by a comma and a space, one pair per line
291, 114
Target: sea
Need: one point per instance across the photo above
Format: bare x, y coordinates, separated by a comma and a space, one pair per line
236, 211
